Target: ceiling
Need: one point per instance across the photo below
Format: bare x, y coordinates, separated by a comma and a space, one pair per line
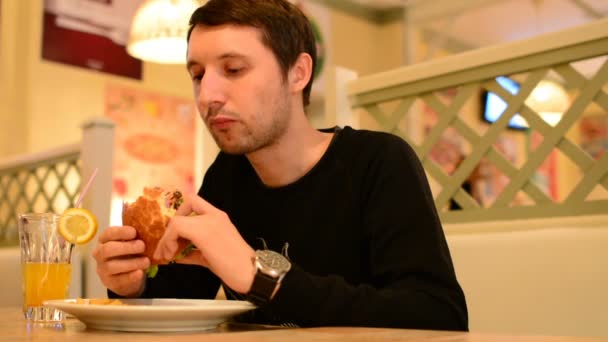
477, 23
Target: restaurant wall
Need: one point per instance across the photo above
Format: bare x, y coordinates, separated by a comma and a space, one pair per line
13, 114
363, 46
356, 44
376, 48
44, 103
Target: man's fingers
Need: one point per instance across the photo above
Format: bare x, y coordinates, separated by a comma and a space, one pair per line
179, 228
118, 266
136, 276
113, 249
175, 228
168, 242
166, 249
117, 234
185, 208
129, 283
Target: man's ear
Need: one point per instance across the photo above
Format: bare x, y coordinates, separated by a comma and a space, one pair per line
300, 73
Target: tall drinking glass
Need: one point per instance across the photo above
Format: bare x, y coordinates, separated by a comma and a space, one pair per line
45, 264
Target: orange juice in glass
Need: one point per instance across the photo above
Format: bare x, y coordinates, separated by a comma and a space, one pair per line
55, 277
45, 265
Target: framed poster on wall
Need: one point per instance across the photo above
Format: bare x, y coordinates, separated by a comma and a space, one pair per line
154, 142
90, 34
546, 174
594, 135
449, 151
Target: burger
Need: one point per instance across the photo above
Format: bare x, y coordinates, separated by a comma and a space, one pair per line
149, 215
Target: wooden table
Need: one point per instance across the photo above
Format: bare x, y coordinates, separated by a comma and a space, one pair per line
13, 327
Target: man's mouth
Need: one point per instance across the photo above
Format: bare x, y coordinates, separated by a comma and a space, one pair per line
221, 122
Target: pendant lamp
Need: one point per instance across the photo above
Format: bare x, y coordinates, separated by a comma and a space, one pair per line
549, 100
159, 29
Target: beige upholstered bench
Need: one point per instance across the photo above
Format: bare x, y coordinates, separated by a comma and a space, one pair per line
535, 280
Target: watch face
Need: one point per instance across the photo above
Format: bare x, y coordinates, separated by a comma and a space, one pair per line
272, 263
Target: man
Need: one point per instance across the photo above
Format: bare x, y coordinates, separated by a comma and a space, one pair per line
348, 214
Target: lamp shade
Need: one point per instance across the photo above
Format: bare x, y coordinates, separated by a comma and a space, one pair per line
549, 100
159, 29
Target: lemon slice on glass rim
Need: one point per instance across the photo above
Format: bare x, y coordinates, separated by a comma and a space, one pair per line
77, 225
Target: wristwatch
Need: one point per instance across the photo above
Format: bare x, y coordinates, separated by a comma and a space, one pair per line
271, 268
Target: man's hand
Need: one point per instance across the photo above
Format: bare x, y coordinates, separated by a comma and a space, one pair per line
120, 265
219, 245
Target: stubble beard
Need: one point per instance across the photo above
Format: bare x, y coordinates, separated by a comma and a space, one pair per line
249, 137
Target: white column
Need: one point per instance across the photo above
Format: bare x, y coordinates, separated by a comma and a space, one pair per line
338, 111
97, 152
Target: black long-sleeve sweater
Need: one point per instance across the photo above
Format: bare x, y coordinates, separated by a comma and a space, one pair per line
365, 241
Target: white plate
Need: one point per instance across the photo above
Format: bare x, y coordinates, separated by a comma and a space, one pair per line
154, 314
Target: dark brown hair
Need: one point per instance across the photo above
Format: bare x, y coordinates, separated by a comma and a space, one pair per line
285, 29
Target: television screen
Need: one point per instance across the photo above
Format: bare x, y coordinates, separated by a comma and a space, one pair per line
493, 105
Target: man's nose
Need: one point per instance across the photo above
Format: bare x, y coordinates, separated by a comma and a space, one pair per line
211, 91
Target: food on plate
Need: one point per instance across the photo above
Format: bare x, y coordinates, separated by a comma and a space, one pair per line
99, 301
149, 215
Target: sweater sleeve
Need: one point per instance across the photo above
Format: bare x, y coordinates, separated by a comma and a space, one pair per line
412, 281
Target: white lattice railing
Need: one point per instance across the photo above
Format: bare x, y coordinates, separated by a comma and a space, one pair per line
42, 182
448, 91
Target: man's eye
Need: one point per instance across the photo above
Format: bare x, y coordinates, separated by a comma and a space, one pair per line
233, 71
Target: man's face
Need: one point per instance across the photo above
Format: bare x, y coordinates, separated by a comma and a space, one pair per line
239, 89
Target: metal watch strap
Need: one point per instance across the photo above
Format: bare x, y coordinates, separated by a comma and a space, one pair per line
261, 289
